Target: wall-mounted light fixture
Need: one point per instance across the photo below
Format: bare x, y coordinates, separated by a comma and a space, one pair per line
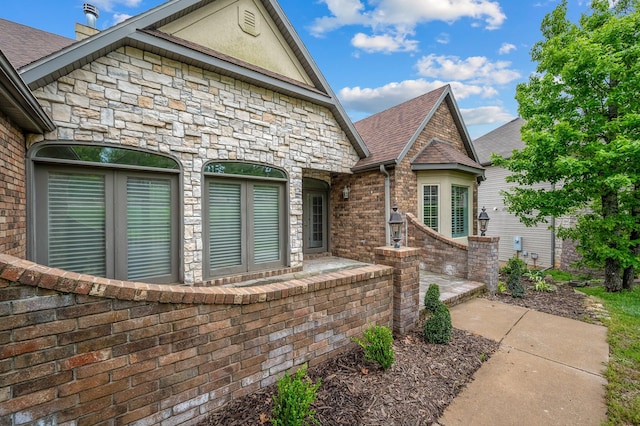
483, 220
345, 192
395, 223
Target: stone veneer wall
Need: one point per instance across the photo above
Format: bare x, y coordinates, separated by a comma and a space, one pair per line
135, 98
13, 210
439, 254
81, 350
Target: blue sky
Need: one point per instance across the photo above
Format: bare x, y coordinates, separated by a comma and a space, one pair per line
378, 53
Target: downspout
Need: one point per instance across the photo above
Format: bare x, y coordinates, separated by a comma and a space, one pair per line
387, 203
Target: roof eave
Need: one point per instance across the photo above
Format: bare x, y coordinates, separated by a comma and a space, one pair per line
19, 103
449, 166
374, 166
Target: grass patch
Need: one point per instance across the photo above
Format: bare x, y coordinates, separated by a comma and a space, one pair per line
559, 276
623, 371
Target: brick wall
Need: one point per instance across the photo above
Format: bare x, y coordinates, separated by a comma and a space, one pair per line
484, 262
358, 225
83, 350
13, 212
439, 254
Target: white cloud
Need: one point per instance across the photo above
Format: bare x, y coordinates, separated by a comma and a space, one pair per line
475, 69
404, 15
485, 115
443, 38
372, 100
506, 48
119, 17
383, 43
110, 5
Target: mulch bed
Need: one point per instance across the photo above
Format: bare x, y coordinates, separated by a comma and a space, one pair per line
422, 382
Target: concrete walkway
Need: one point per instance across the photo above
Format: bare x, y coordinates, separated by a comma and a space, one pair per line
547, 371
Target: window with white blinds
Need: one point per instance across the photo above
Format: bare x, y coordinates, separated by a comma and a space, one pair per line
76, 239
244, 219
149, 238
110, 223
266, 224
430, 207
459, 211
225, 225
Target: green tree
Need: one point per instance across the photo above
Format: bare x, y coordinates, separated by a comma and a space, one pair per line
582, 112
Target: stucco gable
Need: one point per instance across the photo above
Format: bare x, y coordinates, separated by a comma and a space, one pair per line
241, 29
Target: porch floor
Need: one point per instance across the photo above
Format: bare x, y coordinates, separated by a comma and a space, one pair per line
453, 290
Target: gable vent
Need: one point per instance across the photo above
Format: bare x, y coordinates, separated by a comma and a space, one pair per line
249, 20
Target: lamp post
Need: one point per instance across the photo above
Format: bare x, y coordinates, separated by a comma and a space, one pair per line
395, 223
483, 220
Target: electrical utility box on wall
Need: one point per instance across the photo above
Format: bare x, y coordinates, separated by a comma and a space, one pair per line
517, 243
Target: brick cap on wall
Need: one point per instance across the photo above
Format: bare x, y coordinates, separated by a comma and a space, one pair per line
13, 269
397, 252
485, 239
433, 234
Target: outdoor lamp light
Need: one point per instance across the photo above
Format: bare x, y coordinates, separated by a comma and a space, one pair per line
395, 223
483, 219
345, 192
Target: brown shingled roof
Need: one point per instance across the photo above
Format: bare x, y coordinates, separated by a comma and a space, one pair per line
442, 153
387, 133
22, 44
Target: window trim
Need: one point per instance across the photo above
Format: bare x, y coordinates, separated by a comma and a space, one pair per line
247, 253
438, 204
177, 197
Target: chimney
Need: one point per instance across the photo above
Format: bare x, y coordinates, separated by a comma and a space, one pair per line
85, 31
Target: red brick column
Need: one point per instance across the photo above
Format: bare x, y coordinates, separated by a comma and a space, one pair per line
483, 261
406, 285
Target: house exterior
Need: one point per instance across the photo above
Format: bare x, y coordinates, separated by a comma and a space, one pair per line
537, 246
423, 161
207, 154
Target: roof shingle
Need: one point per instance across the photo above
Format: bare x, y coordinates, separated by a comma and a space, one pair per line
22, 44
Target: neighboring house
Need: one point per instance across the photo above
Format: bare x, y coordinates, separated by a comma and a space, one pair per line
195, 141
423, 161
538, 245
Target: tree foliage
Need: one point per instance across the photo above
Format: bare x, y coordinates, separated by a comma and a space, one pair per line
582, 134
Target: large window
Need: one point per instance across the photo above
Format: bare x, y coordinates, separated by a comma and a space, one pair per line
459, 211
430, 206
106, 211
245, 218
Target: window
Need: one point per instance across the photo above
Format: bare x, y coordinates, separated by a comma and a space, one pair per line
430, 206
97, 214
459, 211
244, 218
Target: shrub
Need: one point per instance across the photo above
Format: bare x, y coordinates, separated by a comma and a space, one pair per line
292, 403
539, 284
438, 328
378, 345
514, 264
502, 287
516, 269
432, 297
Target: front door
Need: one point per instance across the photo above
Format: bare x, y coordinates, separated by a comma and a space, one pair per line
314, 215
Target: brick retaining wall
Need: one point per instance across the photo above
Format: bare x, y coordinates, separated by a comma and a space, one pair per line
80, 349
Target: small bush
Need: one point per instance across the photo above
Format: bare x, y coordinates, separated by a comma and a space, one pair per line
514, 264
292, 403
516, 269
539, 284
438, 328
432, 297
378, 345
502, 287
